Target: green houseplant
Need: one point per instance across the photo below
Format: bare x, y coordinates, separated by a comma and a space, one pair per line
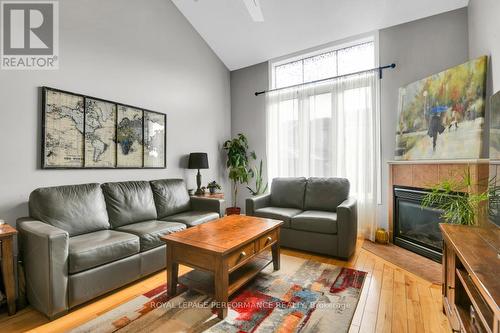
260, 187
238, 159
458, 200
213, 186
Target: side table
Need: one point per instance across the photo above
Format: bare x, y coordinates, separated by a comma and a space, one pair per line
207, 195
7, 233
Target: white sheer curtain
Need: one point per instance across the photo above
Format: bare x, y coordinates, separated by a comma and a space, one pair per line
328, 129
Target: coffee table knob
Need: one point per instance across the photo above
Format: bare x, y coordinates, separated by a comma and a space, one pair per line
243, 254
269, 239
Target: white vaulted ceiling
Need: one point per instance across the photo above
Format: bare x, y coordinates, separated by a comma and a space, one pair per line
294, 25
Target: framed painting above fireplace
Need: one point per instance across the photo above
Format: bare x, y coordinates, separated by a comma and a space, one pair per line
442, 116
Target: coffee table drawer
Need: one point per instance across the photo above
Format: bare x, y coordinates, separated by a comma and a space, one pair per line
241, 255
267, 239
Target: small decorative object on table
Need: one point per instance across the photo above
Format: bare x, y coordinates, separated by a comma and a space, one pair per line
381, 236
213, 186
198, 161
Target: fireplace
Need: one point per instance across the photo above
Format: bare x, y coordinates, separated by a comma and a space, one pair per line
416, 228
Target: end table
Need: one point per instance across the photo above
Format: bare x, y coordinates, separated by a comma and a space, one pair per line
7, 233
207, 195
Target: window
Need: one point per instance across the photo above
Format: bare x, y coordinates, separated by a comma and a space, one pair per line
328, 128
316, 141
324, 64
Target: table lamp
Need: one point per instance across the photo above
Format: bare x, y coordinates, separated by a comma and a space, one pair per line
198, 161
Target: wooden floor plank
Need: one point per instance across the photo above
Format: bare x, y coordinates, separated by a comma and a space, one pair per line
369, 320
429, 314
367, 266
438, 308
399, 314
413, 310
384, 315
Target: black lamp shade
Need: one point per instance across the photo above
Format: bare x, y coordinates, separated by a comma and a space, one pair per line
198, 161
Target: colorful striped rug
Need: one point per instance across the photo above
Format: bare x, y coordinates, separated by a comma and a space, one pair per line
304, 296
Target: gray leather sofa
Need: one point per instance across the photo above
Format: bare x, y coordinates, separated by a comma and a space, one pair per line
82, 241
319, 216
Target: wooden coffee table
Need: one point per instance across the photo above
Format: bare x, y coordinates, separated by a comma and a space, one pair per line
225, 254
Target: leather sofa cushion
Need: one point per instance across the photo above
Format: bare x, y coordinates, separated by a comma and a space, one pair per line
192, 218
315, 221
100, 247
288, 192
326, 193
149, 232
170, 196
129, 202
77, 209
278, 213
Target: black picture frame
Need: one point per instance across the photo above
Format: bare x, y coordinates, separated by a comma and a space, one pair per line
46, 89
164, 138
85, 133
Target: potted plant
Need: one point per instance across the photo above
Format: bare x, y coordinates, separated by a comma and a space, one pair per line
260, 187
213, 186
457, 199
238, 165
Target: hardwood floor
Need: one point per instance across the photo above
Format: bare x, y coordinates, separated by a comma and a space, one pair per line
392, 300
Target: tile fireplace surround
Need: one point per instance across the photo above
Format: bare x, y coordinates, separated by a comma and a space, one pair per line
424, 174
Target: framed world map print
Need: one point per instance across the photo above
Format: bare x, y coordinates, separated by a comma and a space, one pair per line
81, 131
154, 139
129, 137
100, 133
63, 130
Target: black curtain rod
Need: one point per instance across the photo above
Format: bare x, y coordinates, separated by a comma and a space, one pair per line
379, 69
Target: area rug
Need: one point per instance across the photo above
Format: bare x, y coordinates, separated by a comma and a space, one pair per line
412, 262
304, 296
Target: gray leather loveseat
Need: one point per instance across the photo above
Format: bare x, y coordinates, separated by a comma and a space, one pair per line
82, 241
319, 216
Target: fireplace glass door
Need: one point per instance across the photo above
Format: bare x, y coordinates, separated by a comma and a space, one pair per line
417, 228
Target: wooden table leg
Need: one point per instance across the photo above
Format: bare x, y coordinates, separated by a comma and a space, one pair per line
275, 249
8, 274
172, 273
221, 279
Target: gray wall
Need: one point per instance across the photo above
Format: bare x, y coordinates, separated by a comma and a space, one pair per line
419, 48
143, 54
484, 36
248, 113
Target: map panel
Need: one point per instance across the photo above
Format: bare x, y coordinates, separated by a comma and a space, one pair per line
63, 122
129, 137
100, 134
154, 139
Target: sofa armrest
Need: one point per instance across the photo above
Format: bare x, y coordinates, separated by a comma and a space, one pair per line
254, 203
44, 252
208, 204
347, 226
